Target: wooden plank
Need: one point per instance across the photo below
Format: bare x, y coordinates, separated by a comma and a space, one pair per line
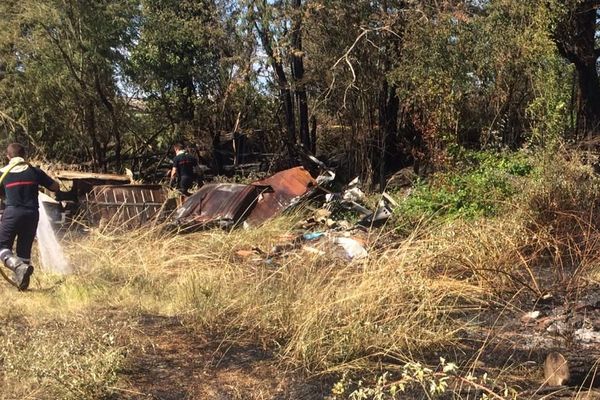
68, 175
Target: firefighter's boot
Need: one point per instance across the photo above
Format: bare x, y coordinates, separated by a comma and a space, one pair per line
22, 271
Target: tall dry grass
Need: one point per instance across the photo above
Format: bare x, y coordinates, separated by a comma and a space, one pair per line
321, 313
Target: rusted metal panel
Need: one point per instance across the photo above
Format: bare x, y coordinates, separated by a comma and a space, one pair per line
221, 204
225, 204
286, 188
128, 205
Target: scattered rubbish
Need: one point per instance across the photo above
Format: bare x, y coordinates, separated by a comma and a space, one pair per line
383, 212
542, 324
216, 204
358, 208
389, 199
547, 298
313, 250
556, 370
353, 249
344, 225
329, 197
354, 194
350, 199
71, 203
325, 177
285, 189
246, 253
354, 182
558, 327
279, 249
322, 215
83, 182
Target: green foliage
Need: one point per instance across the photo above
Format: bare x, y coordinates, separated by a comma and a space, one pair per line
176, 58
489, 76
107, 81
61, 62
415, 379
478, 186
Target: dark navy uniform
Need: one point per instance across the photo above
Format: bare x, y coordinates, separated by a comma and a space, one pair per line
185, 165
21, 215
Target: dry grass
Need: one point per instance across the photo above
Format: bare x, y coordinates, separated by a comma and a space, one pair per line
319, 313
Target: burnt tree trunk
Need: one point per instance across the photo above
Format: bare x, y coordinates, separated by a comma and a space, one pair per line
575, 37
387, 139
285, 93
589, 98
389, 105
89, 117
298, 74
116, 130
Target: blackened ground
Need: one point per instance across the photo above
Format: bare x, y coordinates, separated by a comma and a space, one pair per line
172, 362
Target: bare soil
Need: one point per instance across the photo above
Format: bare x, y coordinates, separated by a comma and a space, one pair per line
172, 362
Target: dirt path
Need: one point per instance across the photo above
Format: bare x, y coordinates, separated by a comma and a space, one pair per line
174, 363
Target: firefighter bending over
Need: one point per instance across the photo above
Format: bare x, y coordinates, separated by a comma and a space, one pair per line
21, 215
184, 168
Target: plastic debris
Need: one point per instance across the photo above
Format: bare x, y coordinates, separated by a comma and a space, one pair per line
389, 199
325, 177
245, 253
353, 194
313, 235
352, 247
313, 250
530, 317
354, 182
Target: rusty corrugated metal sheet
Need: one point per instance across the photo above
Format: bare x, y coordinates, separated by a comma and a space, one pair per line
286, 188
129, 205
226, 204
217, 203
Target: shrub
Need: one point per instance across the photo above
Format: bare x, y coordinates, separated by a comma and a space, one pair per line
478, 185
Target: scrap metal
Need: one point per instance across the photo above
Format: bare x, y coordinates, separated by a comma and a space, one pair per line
226, 204
222, 204
128, 205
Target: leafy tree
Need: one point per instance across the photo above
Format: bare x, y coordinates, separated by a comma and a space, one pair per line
480, 76
61, 62
176, 59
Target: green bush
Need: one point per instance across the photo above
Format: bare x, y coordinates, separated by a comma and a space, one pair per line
478, 185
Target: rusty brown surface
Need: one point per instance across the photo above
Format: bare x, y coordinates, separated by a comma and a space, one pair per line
229, 203
225, 203
130, 205
286, 186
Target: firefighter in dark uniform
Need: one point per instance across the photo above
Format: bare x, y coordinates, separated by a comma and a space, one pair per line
184, 168
20, 217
